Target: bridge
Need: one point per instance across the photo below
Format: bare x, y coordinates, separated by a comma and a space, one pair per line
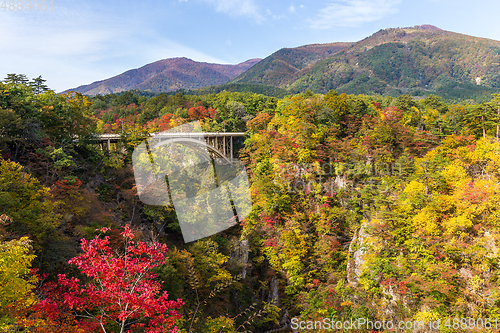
220, 142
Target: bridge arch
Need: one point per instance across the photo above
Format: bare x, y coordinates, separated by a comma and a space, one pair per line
203, 144
221, 143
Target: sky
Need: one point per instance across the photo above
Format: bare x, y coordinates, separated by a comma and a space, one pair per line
72, 43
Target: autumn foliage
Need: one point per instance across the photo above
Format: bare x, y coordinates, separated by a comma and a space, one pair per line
363, 207
120, 290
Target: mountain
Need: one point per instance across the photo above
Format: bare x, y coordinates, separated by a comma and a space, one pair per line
168, 75
284, 66
419, 60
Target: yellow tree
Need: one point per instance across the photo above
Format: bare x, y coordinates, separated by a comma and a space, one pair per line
16, 283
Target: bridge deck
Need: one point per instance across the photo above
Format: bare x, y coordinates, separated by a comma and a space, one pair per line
215, 139
116, 137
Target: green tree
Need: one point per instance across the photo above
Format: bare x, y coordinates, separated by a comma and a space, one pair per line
11, 127
27, 202
480, 119
495, 105
38, 85
16, 79
405, 103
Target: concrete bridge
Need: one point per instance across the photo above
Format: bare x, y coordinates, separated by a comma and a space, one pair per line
221, 143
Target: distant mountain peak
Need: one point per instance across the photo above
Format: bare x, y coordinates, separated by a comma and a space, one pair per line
424, 27
421, 59
168, 75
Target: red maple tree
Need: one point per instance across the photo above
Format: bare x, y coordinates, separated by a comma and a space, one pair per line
121, 287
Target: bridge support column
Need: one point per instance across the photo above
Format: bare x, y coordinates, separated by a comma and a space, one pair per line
231, 153
224, 146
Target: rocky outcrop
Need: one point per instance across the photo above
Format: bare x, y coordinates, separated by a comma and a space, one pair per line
240, 256
273, 296
357, 250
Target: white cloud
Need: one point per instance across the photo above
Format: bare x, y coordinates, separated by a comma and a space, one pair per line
237, 8
28, 35
270, 14
351, 13
50, 46
291, 8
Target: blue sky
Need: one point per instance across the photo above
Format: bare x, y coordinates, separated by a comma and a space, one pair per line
79, 42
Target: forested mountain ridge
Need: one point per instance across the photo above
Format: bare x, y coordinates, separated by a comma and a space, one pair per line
419, 60
168, 75
403, 60
283, 67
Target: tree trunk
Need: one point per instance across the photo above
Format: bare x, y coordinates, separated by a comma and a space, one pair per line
484, 130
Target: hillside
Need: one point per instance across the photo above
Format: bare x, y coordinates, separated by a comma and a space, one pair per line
404, 60
419, 60
284, 66
168, 75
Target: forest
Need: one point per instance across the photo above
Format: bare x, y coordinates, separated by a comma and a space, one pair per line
364, 207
